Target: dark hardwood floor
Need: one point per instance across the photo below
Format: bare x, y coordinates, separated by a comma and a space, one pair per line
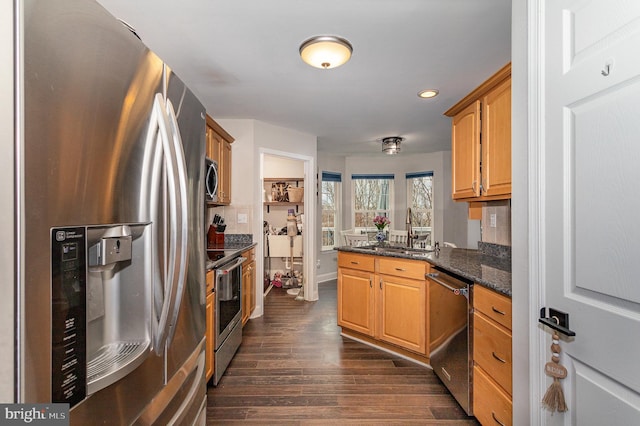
294, 368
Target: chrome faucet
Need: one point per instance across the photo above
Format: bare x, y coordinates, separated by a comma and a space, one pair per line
409, 222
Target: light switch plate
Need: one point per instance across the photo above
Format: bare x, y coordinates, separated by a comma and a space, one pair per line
242, 218
492, 218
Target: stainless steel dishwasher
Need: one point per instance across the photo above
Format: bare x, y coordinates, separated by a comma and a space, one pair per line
450, 341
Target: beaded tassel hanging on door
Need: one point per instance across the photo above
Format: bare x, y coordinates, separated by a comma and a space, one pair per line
553, 399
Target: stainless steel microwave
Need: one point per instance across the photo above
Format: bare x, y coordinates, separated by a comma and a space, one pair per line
211, 180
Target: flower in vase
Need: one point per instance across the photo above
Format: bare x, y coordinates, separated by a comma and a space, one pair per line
381, 222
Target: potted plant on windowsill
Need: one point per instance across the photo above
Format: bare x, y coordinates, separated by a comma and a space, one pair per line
381, 222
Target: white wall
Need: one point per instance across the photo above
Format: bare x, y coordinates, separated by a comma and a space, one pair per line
454, 229
7, 256
280, 167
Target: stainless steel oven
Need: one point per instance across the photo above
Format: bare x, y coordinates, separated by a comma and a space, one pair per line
228, 314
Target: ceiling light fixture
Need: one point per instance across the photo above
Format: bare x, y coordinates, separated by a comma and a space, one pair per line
391, 144
325, 51
428, 93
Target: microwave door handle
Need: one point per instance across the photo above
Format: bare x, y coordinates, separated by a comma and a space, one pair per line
212, 170
214, 167
181, 226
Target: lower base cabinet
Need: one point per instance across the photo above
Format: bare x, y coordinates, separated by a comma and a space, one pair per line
248, 291
492, 369
384, 298
209, 345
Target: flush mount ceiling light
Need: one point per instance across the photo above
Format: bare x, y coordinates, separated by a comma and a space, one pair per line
391, 144
428, 93
325, 51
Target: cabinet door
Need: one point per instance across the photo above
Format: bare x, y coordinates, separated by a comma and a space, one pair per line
355, 300
496, 141
252, 287
209, 345
402, 318
465, 152
224, 167
248, 290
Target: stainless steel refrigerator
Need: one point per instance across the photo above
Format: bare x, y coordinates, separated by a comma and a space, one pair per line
111, 301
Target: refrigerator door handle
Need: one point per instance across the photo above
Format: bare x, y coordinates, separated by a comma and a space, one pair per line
182, 230
164, 273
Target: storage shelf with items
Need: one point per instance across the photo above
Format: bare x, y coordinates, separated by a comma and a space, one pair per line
283, 192
283, 240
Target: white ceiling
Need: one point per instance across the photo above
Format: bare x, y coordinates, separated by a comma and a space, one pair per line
241, 59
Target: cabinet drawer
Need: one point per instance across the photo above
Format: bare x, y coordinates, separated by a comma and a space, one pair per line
494, 305
362, 262
414, 269
491, 405
492, 350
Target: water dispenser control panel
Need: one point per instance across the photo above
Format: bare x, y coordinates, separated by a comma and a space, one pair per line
68, 311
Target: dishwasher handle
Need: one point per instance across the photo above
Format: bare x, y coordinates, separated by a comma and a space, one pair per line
462, 291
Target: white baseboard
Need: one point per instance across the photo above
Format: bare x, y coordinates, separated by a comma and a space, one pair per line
327, 277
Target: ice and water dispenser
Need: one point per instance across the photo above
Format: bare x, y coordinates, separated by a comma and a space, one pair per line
101, 306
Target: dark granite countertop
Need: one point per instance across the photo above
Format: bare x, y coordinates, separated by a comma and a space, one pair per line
489, 270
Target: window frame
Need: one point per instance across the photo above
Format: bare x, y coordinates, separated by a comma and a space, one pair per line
388, 211
415, 211
336, 179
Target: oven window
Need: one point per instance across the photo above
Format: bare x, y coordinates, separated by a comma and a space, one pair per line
228, 295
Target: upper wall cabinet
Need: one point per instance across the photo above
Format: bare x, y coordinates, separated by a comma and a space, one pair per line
481, 141
219, 149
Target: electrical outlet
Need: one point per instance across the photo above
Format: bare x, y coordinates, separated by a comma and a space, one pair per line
318, 263
242, 218
492, 219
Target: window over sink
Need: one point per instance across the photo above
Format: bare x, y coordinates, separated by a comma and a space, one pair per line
372, 195
420, 201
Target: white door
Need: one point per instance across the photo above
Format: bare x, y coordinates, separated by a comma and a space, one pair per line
590, 193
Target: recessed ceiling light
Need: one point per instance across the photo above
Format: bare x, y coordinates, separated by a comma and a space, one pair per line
325, 52
428, 93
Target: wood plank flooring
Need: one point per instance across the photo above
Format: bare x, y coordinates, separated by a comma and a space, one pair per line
294, 368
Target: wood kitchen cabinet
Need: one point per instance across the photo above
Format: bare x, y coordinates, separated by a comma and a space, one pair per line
218, 148
384, 298
356, 293
401, 303
481, 141
248, 290
492, 362
209, 323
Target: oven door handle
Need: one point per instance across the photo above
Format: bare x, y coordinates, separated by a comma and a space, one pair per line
225, 269
433, 276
